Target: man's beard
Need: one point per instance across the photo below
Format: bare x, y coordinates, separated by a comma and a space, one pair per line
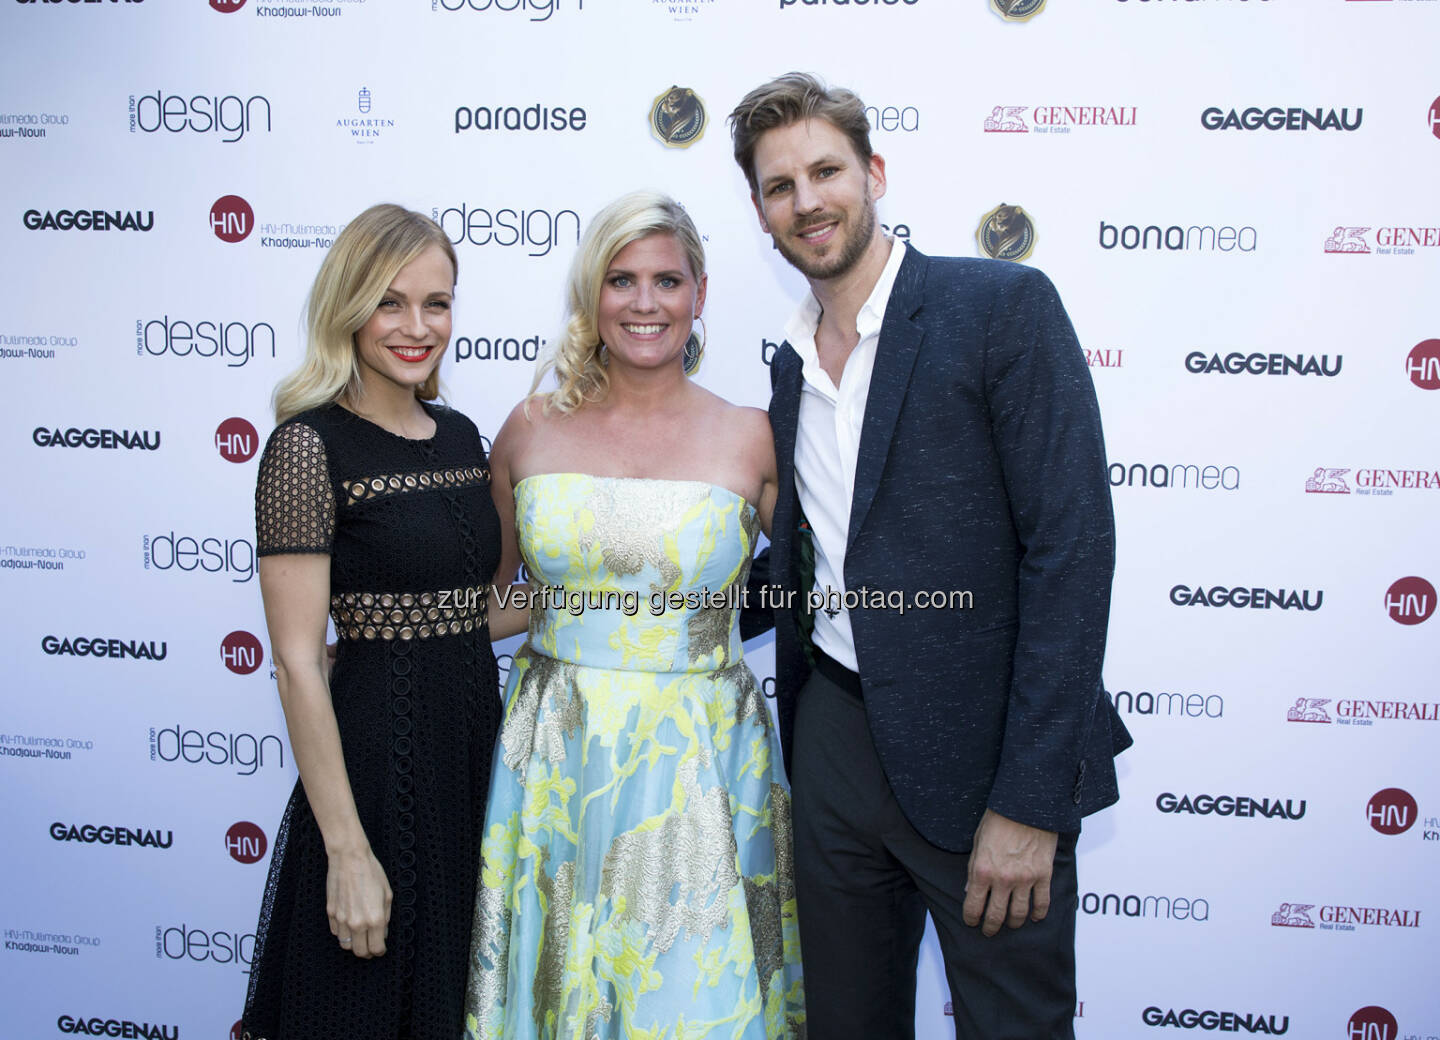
833, 267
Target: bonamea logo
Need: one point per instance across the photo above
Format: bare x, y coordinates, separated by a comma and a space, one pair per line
241, 652
1422, 364
1410, 600
245, 842
1392, 811
1292, 915
1055, 119
236, 440
231, 218
1372, 1023
1309, 709
1207, 238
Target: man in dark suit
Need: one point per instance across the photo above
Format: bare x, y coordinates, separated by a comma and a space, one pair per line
940, 570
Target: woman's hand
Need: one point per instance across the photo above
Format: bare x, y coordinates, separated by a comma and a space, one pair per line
357, 901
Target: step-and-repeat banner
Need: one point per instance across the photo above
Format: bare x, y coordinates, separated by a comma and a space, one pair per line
1236, 199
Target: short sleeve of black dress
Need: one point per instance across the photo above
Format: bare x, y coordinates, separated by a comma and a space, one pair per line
413, 541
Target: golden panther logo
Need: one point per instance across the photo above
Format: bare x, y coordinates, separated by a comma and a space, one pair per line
677, 117
1006, 233
1017, 10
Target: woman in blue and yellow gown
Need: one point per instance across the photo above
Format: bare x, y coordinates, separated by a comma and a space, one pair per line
636, 878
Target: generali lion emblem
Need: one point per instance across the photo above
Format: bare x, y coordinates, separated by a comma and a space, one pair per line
1006, 233
677, 117
1292, 915
1017, 10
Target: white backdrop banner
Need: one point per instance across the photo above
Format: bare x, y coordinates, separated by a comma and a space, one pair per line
1236, 199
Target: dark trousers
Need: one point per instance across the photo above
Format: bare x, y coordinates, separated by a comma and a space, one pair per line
864, 879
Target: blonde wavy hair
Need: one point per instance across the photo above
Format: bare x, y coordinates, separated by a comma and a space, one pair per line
353, 278
575, 355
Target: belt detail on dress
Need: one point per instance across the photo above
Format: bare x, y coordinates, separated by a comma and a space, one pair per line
410, 615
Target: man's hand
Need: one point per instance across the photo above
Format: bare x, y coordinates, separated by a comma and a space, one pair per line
1009, 877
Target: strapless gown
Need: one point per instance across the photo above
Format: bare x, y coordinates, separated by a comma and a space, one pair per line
637, 876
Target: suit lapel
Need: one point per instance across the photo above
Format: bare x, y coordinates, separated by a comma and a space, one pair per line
895, 356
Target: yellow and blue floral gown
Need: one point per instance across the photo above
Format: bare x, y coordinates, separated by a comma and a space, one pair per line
636, 878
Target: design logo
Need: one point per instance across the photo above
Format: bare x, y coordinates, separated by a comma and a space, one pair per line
241, 652
236, 440
1327, 482
1309, 709
245, 842
1435, 117
1373, 1023
1423, 365
1292, 915
1392, 811
1007, 119
231, 218
1006, 233
677, 117
1347, 240
1410, 600
1017, 10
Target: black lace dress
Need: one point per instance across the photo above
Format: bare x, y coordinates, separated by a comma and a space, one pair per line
413, 540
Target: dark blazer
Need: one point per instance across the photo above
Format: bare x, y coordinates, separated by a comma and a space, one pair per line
981, 468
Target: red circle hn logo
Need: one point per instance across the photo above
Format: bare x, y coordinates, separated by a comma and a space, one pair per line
1435, 117
1423, 365
241, 653
1410, 600
236, 440
1373, 1023
1392, 811
231, 218
237, 1031
245, 842
227, 7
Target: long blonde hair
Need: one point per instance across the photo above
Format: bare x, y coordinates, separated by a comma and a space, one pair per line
574, 356
352, 280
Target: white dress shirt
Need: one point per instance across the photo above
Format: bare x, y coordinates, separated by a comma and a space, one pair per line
827, 446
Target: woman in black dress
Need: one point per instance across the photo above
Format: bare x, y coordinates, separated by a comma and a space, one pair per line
373, 508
